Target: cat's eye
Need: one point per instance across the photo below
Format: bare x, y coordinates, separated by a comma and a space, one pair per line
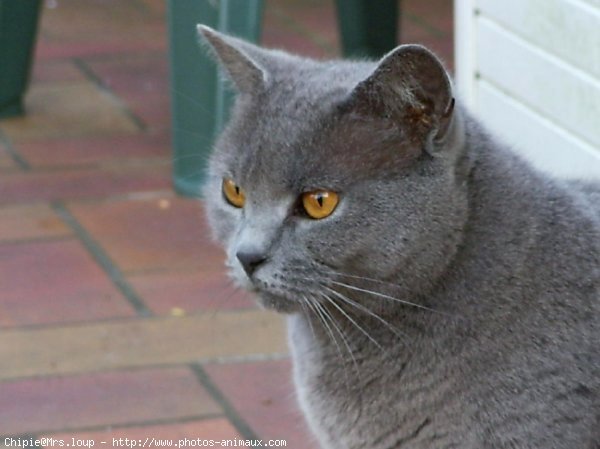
320, 203
233, 193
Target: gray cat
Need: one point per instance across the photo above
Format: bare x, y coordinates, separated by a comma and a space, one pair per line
440, 292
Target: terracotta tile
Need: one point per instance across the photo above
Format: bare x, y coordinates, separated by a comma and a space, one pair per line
102, 399
55, 72
129, 343
158, 7
53, 282
216, 429
82, 49
68, 110
262, 392
437, 14
277, 33
72, 25
413, 30
84, 183
189, 291
6, 162
30, 221
154, 109
96, 150
142, 82
135, 74
169, 234
316, 21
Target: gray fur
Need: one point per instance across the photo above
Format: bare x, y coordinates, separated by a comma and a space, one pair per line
500, 344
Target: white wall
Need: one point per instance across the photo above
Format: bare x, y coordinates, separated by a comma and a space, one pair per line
530, 69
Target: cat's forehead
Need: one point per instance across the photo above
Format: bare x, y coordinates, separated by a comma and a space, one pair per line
291, 137
273, 145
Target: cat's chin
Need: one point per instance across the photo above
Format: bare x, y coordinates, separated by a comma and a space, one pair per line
276, 303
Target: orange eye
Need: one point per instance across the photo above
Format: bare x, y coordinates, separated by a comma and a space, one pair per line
319, 204
233, 193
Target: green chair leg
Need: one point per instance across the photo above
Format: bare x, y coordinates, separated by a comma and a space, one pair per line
368, 28
18, 28
200, 100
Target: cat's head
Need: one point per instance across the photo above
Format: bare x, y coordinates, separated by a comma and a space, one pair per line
330, 173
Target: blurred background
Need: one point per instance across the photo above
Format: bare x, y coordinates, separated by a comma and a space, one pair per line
116, 319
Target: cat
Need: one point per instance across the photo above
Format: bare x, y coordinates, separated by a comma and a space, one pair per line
439, 292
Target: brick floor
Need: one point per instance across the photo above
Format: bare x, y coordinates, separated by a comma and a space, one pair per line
74, 109
184, 292
6, 161
116, 317
262, 393
170, 233
54, 281
98, 151
30, 221
218, 429
102, 399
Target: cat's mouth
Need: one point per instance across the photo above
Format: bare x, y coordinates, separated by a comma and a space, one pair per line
277, 303
274, 297
269, 290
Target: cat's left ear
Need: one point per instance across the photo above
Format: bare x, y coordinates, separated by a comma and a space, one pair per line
240, 59
410, 86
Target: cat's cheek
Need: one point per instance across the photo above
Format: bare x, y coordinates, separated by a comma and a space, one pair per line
222, 223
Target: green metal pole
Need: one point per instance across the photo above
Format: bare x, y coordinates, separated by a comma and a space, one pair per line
368, 28
18, 28
200, 101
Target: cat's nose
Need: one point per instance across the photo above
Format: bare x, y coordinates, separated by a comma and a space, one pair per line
251, 260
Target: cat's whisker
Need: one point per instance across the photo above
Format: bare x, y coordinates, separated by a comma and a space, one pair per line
320, 312
328, 315
198, 155
364, 309
325, 281
200, 135
343, 337
353, 321
368, 279
191, 99
306, 308
391, 298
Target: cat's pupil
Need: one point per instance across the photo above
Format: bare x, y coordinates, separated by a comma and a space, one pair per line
237, 190
320, 200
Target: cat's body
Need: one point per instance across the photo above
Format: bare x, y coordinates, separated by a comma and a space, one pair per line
500, 344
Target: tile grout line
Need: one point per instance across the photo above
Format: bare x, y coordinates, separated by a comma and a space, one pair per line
13, 153
98, 82
103, 259
120, 426
40, 239
230, 412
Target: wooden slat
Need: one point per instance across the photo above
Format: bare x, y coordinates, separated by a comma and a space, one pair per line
569, 97
569, 29
548, 147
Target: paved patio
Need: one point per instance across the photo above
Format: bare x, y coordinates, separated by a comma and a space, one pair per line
116, 319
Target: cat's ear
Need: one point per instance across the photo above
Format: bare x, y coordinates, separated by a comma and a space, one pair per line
410, 86
238, 58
